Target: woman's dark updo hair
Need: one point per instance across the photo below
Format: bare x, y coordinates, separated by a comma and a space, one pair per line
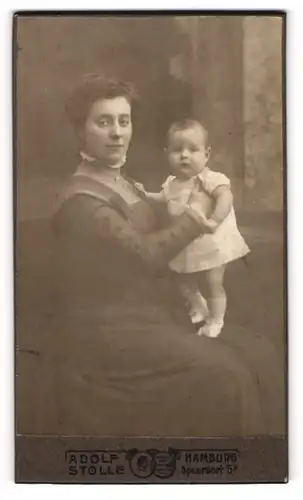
90, 89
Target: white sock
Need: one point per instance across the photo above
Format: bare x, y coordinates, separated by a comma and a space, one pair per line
217, 308
197, 304
198, 308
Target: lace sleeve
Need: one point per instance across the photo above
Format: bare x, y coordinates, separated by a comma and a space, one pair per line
156, 248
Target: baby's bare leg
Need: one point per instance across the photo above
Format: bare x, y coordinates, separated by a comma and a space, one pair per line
196, 303
217, 302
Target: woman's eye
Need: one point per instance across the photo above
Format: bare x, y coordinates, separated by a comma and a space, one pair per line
103, 122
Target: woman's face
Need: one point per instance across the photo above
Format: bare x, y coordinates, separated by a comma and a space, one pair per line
108, 130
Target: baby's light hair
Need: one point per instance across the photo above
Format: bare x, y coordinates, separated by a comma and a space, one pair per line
185, 124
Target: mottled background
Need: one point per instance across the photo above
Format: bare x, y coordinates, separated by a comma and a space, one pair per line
226, 71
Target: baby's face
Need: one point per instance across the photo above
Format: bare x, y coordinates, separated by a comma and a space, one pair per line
187, 152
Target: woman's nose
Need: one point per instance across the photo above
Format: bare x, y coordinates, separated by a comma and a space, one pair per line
115, 130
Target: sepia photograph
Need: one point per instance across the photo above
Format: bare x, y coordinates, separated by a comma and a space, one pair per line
150, 247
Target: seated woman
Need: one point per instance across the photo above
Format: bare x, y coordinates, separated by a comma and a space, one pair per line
123, 364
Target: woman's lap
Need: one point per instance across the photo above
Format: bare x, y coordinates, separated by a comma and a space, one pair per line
158, 382
171, 381
262, 361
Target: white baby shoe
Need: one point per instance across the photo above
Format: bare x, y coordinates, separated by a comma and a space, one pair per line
197, 317
211, 329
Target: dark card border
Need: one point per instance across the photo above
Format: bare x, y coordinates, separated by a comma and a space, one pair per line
42, 459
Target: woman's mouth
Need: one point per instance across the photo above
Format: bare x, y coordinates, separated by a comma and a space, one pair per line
115, 146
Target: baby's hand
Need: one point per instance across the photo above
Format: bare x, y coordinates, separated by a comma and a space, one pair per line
140, 186
149, 196
154, 196
209, 225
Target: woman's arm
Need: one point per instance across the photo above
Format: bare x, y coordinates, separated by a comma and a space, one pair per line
157, 248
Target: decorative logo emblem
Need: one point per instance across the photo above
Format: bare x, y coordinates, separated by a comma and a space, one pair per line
144, 464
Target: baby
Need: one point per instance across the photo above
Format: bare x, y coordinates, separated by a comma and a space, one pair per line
209, 193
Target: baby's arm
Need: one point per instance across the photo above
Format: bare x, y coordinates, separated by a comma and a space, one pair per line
155, 196
160, 196
151, 196
223, 203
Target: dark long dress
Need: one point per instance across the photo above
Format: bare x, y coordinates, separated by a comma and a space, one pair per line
121, 357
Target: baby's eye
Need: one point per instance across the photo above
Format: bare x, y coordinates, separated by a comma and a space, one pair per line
124, 122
